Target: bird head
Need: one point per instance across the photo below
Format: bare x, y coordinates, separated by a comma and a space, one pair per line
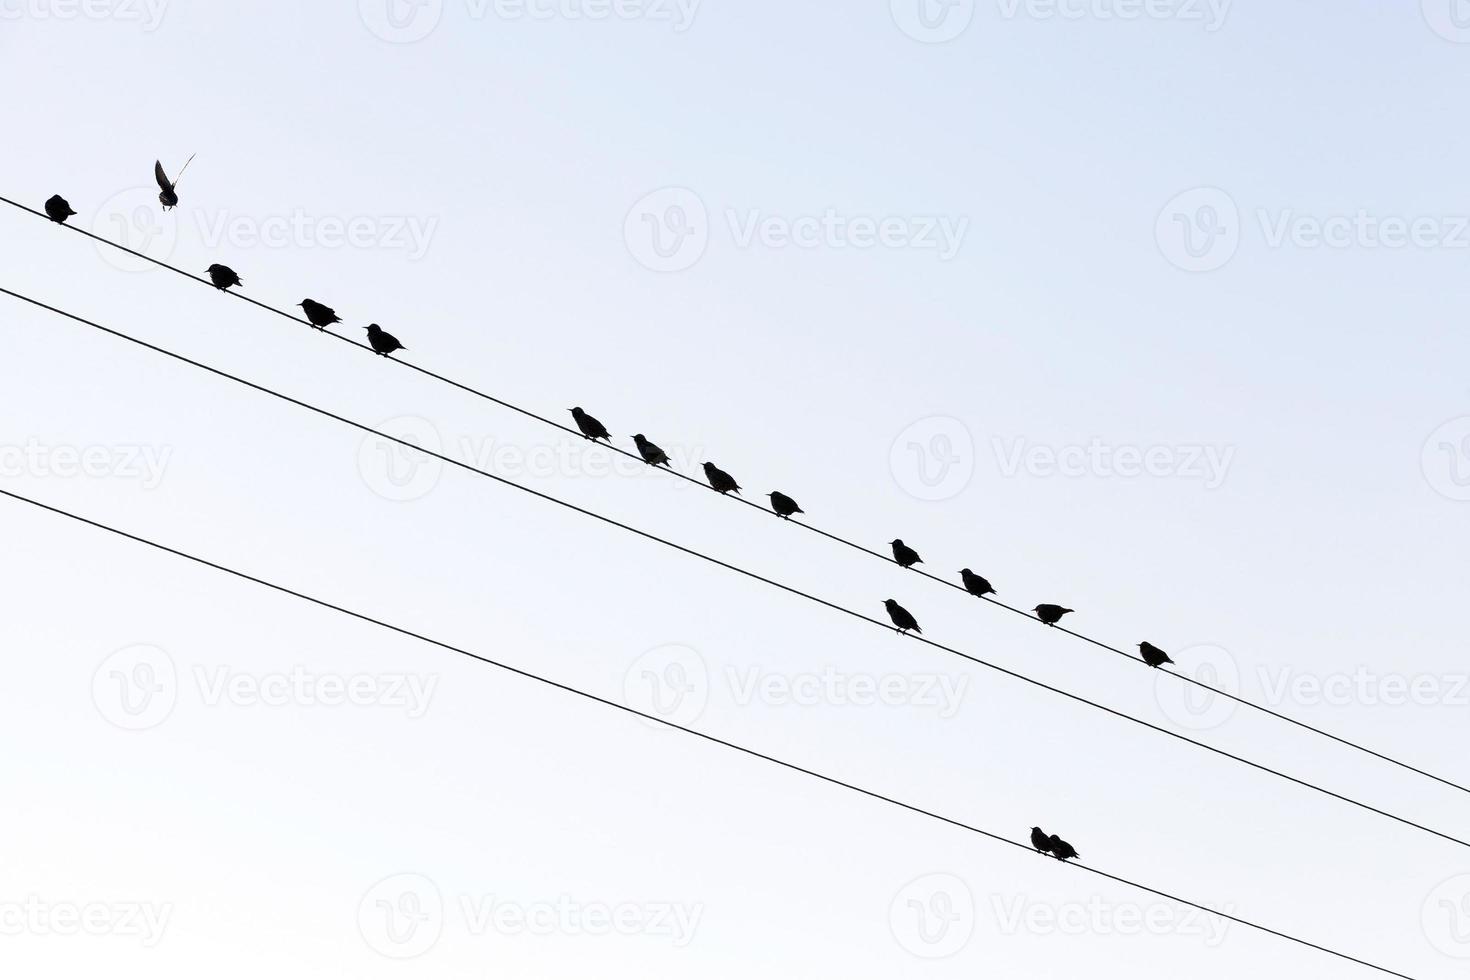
966, 571
303, 303
1037, 830
638, 437
575, 411
371, 327
1036, 609
897, 541
889, 603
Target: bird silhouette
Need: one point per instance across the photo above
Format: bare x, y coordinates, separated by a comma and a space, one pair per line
652, 455
1040, 841
720, 480
1152, 655
904, 555
223, 276
383, 342
319, 315
1050, 614
783, 505
591, 428
1060, 849
168, 189
975, 584
902, 618
58, 210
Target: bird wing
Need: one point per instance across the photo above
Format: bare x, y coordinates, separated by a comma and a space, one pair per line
186, 167
161, 177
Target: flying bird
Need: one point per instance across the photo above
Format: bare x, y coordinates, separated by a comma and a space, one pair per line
223, 276
902, 618
168, 189
1040, 841
1152, 655
58, 210
1050, 614
652, 455
1060, 849
383, 342
975, 584
319, 315
591, 428
904, 555
783, 505
719, 479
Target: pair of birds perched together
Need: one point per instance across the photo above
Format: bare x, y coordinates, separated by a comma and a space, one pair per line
721, 482
1052, 844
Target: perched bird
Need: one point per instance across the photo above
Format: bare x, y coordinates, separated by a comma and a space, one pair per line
168, 189
1152, 655
783, 505
652, 455
904, 555
223, 276
591, 428
1060, 849
1040, 841
1050, 614
383, 342
975, 584
58, 210
719, 479
319, 315
901, 617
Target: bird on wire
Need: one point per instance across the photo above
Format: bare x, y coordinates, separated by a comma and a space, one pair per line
384, 343
168, 194
721, 481
902, 618
58, 210
319, 315
652, 455
975, 584
904, 555
589, 426
223, 276
783, 505
1040, 841
1050, 614
1060, 849
1152, 655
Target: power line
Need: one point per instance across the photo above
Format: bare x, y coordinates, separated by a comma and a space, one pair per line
724, 564
567, 688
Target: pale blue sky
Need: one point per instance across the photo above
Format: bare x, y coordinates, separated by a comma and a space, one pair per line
956, 291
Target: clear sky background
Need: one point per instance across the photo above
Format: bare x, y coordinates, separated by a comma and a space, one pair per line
1152, 310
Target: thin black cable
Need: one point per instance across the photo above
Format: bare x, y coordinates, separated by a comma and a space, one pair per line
1238, 699
558, 685
726, 565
